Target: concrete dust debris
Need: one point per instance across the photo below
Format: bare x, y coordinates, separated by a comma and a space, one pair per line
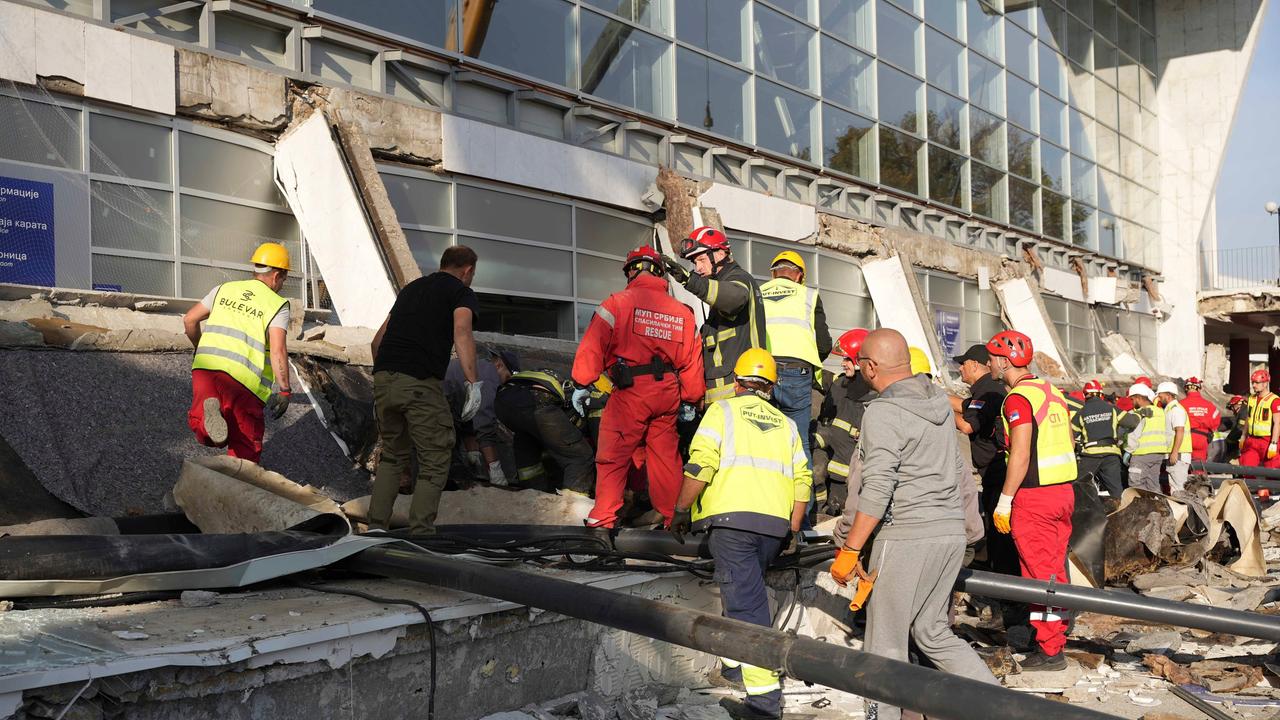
1041, 681
130, 635
1144, 700
197, 598
1165, 642
258, 618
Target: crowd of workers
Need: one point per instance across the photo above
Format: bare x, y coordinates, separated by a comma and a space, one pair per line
881, 452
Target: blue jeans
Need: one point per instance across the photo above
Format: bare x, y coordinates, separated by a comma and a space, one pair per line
793, 394
741, 559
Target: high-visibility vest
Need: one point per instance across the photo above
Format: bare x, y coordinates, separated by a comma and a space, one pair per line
789, 309
1154, 439
540, 378
1095, 421
235, 339
725, 337
1185, 445
1053, 456
750, 456
1258, 423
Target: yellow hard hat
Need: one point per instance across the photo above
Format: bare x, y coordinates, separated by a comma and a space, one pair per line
756, 363
920, 362
791, 257
272, 255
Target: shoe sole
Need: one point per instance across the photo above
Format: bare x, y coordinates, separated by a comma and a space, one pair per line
215, 426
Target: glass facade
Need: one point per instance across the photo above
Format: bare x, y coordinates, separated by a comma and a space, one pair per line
961, 314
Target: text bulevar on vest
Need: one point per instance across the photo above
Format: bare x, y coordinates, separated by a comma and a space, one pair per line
235, 339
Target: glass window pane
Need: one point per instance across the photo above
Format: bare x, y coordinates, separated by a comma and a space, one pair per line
988, 191
847, 311
1105, 62
1054, 208
714, 25
129, 149
1022, 204
1080, 88
1020, 57
900, 96
946, 292
609, 233
986, 137
1079, 43
1022, 153
135, 275
533, 37
252, 40
499, 213
799, 8
837, 274
943, 118
984, 29
427, 21
986, 87
131, 218
946, 171
945, 15
1053, 166
1130, 118
1108, 191
521, 268
181, 25
1022, 103
214, 230
1082, 138
899, 160
849, 20
427, 247
1084, 226
39, 133
340, 63
847, 76
943, 59
198, 280
1052, 119
712, 94
1149, 57
227, 169
1051, 71
1128, 76
598, 278
897, 34
784, 120
1104, 18
782, 48
763, 253
1107, 107
1083, 180
848, 145
624, 65
649, 14
419, 202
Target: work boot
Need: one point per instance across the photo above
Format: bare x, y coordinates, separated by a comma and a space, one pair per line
1039, 662
215, 426
725, 677
739, 710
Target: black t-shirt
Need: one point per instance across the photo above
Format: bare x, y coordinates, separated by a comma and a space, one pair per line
982, 412
419, 336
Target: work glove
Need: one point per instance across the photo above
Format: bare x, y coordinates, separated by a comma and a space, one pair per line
687, 412
1125, 457
844, 566
1271, 451
471, 402
678, 272
579, 400
794, 540
277, 404
1004, 509
496, 476
475, 461
681, 523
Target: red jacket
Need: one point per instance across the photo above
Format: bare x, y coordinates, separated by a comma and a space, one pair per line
1204, 418
638, 324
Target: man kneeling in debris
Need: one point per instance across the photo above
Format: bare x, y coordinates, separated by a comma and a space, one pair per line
747, 483
911, 478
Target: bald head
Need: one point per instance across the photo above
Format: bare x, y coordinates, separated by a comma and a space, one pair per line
887, 359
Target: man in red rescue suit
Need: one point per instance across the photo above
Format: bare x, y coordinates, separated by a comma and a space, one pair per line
648, 344
1261, 432
1037, 500
1204, 417
736, 319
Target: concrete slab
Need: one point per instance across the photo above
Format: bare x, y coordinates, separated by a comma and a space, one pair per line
226, 91
108, 64
17, 43
152, 75
60, 47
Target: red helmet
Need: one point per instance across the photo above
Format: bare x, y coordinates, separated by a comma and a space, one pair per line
704, 239
1260, 376
850, 342
1144, 380
1235, 400
641, 256
1013, 345
1093, 386
1194, 381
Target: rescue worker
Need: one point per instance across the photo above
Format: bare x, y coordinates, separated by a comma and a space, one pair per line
1261, 432
240, 354
1178, 430
797, 336
1124, 404
839, 424
532, 404
1037, 499
978, 416
647, 342
1205, 420
1097, 436
747, 482
911, 489
1232, 429
1147, 444
736, 318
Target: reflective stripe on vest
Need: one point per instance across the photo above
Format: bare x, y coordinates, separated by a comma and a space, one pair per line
1185, 446
1096, 421
1054, 448
843, 424
1154, 439
1259, 422
544, 380
234, 339
789, 310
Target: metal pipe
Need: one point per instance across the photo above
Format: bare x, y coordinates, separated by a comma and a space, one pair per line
936, 694
1110, 602
1260, 475
1199, 703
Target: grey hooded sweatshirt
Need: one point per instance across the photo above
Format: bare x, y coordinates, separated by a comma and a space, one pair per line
911, 465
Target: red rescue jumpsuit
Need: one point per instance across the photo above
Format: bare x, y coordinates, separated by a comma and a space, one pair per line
639, 325
1260, 413
1205, 419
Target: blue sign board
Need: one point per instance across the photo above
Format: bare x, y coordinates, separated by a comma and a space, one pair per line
947, 325
26, 232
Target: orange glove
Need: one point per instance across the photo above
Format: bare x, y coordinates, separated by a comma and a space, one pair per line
1003, 513
843, 567
863, 591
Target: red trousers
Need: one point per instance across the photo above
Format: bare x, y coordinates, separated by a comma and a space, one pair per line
1041, 528
641, 416
1254, 453
240, 408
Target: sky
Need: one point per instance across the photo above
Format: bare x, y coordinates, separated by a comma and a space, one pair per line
1251, 170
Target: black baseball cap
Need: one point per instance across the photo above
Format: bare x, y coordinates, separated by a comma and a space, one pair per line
976, 353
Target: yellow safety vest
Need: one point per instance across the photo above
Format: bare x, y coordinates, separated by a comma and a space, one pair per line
542, 379
1185, 446
1259, 422
1154, 439
789, 309
750, 456
235, 335
1053, 449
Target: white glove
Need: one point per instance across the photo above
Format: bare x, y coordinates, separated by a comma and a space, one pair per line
475, 461
496, 476
1001, 517
579, 401
687, 412
471, 403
